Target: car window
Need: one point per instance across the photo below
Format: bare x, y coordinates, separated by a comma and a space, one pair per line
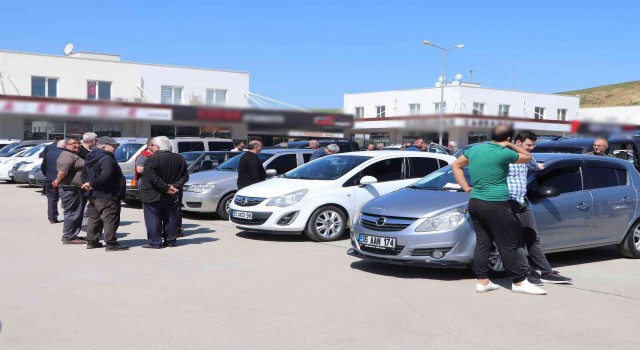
306, 157
126, 151
220, 145
558, 149
283, 163
186, 146
385, 170
566, 179
327, 168
602, 177
421, 167
622, 150
232, 163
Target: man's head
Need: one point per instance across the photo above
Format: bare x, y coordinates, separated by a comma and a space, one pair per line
600, 146
452, 145
314, 144
424, 148
160, 143
333, 149
150, 141
526, 139
371, 147
502, 133
255, 146
108, 144
418, 142
57, 138
380, 146
89, 140
72, 144
61, 143
240, 145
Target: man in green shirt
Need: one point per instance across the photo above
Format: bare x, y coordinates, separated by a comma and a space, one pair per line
489, 208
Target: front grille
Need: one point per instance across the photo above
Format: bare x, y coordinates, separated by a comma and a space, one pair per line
389, 223
247, 201
396, 251
259, 218
428, 251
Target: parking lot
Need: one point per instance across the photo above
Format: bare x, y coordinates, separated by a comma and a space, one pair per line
222, 288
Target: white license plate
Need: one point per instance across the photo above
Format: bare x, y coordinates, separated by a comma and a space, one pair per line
242, 215
32, 176
377, 242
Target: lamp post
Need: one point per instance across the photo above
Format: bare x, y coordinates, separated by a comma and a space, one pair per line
442, 83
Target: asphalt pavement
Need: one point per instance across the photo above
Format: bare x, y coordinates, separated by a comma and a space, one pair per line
222, 288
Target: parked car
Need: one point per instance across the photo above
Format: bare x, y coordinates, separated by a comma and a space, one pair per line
11, 159
213, 191
7, 171
196, 162
36, 178
321, 197
578, 201
21, 174
344, 144
6, 142
8, 150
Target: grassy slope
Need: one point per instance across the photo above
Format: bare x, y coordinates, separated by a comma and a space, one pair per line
623, 94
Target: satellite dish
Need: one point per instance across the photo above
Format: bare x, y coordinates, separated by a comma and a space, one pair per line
458, 76
438, 84
68, 50
441, 78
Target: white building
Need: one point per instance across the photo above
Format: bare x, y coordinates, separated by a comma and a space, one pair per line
397, 116
629, 115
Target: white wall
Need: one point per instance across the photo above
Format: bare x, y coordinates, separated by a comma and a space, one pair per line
625, 115
397, 101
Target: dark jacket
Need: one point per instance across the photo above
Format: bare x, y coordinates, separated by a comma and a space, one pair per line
319, 153
83, 152
102, 172
413, 148
160, 171
51, 147
250, 170
49, 167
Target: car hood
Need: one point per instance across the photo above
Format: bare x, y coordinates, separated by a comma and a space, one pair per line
415, 203
212, 176
278, 186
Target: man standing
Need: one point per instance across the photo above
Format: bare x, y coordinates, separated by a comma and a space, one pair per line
371, 147
327, 151
142, 158
239, 147
314, 145
452, 146
517, 182
600, 147
89, 140
380, 147
164, 175
250, 169
417, 145
68, 183
489, 208
103, 177
50, 171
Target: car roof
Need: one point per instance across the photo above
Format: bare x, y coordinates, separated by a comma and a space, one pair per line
391, 153
581, 141
287, 150
547, 157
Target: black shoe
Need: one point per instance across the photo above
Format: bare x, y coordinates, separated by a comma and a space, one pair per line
54, 221
534, 278
151, 246
94, 245
180, 234
116, 247
170, 244
555, 278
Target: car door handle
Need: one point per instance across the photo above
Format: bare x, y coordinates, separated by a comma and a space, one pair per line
583, 206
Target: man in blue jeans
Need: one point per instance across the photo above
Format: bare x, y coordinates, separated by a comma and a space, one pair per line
517, 181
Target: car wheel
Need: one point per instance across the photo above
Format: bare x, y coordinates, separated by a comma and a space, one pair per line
496, 266
223, 206
326, 224
630, 245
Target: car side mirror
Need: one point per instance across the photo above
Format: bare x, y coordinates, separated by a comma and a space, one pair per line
547, 192
368, 180
272, 172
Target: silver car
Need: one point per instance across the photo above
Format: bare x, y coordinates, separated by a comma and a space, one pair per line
578, 201
212, 191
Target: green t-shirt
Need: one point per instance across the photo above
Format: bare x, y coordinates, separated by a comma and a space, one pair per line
489, 168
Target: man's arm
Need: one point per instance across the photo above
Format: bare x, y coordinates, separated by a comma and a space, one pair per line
184, 176
458, 172
523, 156
106, 170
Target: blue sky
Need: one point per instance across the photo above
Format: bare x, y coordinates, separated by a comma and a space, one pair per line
309, 53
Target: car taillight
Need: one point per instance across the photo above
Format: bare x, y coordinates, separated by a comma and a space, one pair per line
134, 183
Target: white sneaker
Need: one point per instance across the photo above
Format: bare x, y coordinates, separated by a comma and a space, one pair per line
488, 288
527, 288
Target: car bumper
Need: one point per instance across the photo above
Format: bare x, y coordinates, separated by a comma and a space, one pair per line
37, 181
453, 248
21, 177
271, 219
132, 193
200, 202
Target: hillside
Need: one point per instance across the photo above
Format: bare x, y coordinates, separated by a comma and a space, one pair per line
623, 94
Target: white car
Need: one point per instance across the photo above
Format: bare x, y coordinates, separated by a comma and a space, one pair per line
23, 155
321, 197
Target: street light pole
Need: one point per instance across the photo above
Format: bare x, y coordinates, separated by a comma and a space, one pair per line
442, 84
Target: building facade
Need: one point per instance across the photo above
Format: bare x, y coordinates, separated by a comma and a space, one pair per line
470, 111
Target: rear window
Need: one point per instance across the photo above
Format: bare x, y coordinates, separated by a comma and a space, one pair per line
602, 177
420, 167
220, 145
190, 146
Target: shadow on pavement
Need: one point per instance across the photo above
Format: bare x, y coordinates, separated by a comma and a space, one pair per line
198, 231
25, 186
411, 272
127, 223
580, 257
259, 236
181, 241
199, 216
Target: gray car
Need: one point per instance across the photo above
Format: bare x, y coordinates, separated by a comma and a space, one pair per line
578, 201
213, 191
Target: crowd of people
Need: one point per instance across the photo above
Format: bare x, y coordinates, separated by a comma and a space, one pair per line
418, 145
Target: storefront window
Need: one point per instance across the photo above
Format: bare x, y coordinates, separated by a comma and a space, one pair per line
77, 128
188, 131
42, 130
108, 129
163, 130
475, 136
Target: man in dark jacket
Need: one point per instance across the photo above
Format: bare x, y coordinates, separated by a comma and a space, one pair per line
103, 177
250, 169
164, 175
418, 143
50, 171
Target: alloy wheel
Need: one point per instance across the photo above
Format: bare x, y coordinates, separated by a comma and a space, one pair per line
227, 204
636, 237
328, 224
495, 261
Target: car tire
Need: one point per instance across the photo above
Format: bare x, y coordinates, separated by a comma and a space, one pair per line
630, 245
326, 224
223, 206
496, 266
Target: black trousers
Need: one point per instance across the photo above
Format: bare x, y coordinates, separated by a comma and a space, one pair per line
494, 222
103, 214
527, 224
52, 201
161, 217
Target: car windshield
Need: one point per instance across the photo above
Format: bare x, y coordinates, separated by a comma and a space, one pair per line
233, 163
126, 151
8, 148
562, 149
33, 151
440, 179
190, 157
326, 168
16, 152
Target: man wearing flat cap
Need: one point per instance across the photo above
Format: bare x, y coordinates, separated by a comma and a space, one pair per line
103, 177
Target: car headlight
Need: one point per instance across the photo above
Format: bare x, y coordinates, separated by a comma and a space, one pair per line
445, 221
288, 199
200, 188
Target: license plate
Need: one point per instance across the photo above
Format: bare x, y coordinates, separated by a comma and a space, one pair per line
377, 242
242, 215
32, 176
